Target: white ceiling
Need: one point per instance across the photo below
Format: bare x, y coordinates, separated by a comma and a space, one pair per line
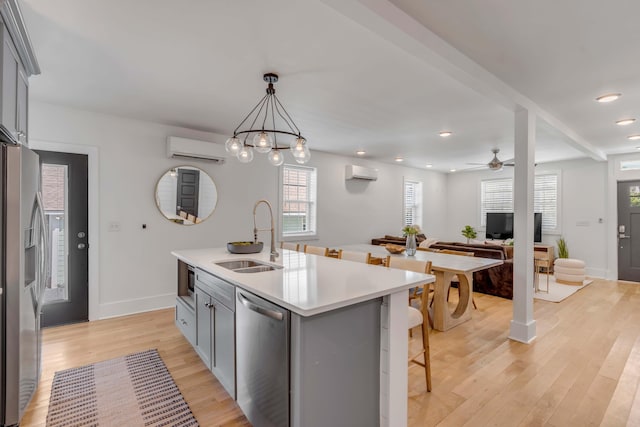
348, 86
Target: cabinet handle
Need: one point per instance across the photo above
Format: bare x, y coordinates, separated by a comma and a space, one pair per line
183, 321
209, 305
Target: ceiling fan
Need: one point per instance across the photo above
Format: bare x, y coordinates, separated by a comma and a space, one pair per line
495, 164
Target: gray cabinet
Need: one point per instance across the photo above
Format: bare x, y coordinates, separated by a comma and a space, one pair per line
204, 323
215, 327
22, 107
186, 320
15, 90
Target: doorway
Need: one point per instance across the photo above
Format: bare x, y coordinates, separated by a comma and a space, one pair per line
65, 199
629, 231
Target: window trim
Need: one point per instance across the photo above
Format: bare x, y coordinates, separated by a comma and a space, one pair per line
294, 237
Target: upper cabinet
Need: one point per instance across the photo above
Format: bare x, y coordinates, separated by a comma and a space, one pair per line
18, 63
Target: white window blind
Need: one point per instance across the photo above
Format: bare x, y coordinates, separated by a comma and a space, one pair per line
497, 196
298, 200
412, 209
545, 200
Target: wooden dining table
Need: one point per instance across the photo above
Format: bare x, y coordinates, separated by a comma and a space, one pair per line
445, 267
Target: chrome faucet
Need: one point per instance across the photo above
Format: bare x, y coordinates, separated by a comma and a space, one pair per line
274, 253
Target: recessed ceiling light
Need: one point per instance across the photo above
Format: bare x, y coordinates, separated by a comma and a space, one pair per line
608, 97
361, 152
637, 148
625, 122
399, 159
429, 165
634, 137
452, 170
446, 133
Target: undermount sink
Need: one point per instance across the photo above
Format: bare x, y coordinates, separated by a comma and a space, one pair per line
247, 266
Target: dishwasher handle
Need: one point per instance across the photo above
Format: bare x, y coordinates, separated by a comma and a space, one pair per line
258, 309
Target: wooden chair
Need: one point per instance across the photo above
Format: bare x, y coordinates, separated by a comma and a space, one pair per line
417, 317
452, 252
461, 253
316, 250
289, 245
355, 256
428, 249
191, 218
183, 214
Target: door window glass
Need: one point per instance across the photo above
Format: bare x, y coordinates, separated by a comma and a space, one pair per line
634, 196
54, 199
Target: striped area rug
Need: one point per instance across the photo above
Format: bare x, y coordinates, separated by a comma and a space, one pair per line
134, 390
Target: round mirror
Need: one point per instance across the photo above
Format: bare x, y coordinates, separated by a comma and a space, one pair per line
186, 195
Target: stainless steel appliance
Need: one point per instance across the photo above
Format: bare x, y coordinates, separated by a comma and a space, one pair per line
262, 360
23, 255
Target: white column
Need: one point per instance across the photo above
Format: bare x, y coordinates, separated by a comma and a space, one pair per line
523, 326
394, 353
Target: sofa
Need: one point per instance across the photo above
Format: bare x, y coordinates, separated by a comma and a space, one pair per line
497, 281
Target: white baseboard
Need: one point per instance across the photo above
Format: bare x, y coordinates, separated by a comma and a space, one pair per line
596, 273
138, 305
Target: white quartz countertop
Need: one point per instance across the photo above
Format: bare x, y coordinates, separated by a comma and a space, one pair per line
307, 284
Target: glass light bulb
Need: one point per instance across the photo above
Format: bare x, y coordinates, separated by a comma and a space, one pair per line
304, 156
297, 146
262, 142
275, 157
245, 155
233, 145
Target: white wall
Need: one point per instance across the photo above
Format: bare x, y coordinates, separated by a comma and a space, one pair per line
137, 271
355, 211
583, 196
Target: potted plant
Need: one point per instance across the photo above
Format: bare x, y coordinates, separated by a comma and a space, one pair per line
410, 231
469, 232
563, 251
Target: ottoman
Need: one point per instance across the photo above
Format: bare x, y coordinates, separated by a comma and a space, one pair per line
569, 271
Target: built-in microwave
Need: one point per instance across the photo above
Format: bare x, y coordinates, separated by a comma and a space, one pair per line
191, 280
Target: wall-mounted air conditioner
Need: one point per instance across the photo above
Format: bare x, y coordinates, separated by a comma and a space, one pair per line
360, 172
195, 150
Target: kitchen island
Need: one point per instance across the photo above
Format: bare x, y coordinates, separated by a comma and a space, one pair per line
347, 334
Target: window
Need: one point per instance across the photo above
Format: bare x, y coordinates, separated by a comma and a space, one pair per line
634, 196
412, 209
298, 201
630, 165
496, 195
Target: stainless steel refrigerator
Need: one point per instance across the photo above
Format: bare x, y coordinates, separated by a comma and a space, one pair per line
23, 258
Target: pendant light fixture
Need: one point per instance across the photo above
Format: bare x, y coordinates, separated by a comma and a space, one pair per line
262, 135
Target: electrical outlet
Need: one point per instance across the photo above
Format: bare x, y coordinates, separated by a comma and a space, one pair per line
114, 226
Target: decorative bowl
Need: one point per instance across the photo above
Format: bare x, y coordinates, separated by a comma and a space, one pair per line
244, 247
394, 249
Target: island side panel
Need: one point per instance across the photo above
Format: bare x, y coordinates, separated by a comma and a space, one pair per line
335, 367
394, 353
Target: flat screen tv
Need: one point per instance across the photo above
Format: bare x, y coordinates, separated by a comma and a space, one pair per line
500, 226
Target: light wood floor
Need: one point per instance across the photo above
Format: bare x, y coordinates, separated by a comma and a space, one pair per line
583, 369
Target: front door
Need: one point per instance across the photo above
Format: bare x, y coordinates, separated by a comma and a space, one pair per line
65, 200
629, 231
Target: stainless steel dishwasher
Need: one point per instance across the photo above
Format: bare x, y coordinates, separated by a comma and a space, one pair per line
262, 360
